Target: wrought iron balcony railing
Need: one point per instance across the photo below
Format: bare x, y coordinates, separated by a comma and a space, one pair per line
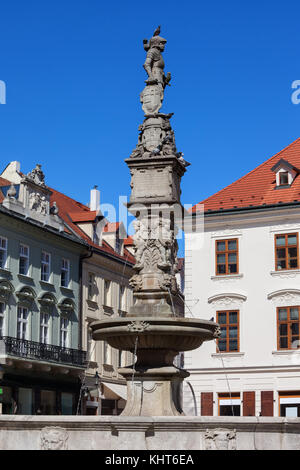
43, 352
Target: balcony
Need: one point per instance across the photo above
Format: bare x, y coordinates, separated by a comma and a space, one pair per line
31, 350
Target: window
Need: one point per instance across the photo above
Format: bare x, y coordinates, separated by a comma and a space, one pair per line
106, 299
227, 256
25, 401
44, 328
288, 327
2, 308
48, 402
64, 329
22, 323
106, 353
283, 178
65, 273
45, 266
229, 324
24, 260
67, 400
3, 252
289, 404
122, 305
229, 404
286, 251
91, 286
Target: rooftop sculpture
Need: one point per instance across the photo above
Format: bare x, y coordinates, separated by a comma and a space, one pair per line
154, 329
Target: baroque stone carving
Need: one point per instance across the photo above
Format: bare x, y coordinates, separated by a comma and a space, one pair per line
138, 326
152, 96
285, 297
37, 176
220, 439
38, 202
226, 300
54, 438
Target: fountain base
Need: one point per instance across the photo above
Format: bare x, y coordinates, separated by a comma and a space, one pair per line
153, 391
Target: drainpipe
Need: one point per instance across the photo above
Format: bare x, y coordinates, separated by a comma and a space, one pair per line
80, 316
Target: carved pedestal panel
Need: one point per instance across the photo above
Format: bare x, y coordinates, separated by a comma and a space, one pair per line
153, 392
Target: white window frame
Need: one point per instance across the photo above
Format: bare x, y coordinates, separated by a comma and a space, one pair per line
91, 286
65, 268
122, 297
64, 331
2, 319
25, 256
22, 322
44, 327
107, 293
45, 273
3, 249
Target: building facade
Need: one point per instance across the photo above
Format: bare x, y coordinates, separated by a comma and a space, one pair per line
243, 271
40, 350
105, 273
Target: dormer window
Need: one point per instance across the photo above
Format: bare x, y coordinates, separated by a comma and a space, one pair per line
283, 178
285, 174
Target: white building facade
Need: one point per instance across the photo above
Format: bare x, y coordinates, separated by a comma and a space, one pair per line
243, 271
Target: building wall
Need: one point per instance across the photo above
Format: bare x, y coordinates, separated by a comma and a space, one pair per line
37, 240
256, 292
101, 356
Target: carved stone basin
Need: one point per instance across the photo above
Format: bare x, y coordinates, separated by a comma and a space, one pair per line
154, 333
180, 334
153, 382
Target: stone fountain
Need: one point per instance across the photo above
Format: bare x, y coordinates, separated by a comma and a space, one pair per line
154, 330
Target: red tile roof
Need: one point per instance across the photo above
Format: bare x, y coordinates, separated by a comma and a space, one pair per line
3, 182
68, 206
83, 216
72, 211
257, 188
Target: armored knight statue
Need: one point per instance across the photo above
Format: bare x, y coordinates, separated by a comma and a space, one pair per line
154, 64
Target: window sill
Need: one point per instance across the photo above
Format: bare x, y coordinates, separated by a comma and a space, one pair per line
5, 271
228, 354
46, 283
285, 352
92, 304
285, 272
25, 277
108, 310
227, 276
66, 289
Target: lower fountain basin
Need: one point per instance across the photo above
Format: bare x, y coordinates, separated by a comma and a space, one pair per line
176, 334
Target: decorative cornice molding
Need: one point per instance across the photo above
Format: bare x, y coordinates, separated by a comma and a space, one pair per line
285, 296
285, 274
285, 227
226, 299
226, 233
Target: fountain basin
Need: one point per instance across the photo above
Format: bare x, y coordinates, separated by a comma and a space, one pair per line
153, 381
176, 334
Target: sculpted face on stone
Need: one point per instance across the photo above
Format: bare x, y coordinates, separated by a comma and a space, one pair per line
220, 439
54, 438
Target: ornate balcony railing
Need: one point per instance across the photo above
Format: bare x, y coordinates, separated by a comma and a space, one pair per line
43, 352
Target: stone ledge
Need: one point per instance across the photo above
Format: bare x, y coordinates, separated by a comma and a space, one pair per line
151, 433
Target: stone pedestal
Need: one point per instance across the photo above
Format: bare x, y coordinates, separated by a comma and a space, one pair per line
154, 391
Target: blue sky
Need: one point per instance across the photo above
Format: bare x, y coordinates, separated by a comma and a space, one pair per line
73, 71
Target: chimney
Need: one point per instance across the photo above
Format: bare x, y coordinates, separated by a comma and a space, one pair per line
95, 199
